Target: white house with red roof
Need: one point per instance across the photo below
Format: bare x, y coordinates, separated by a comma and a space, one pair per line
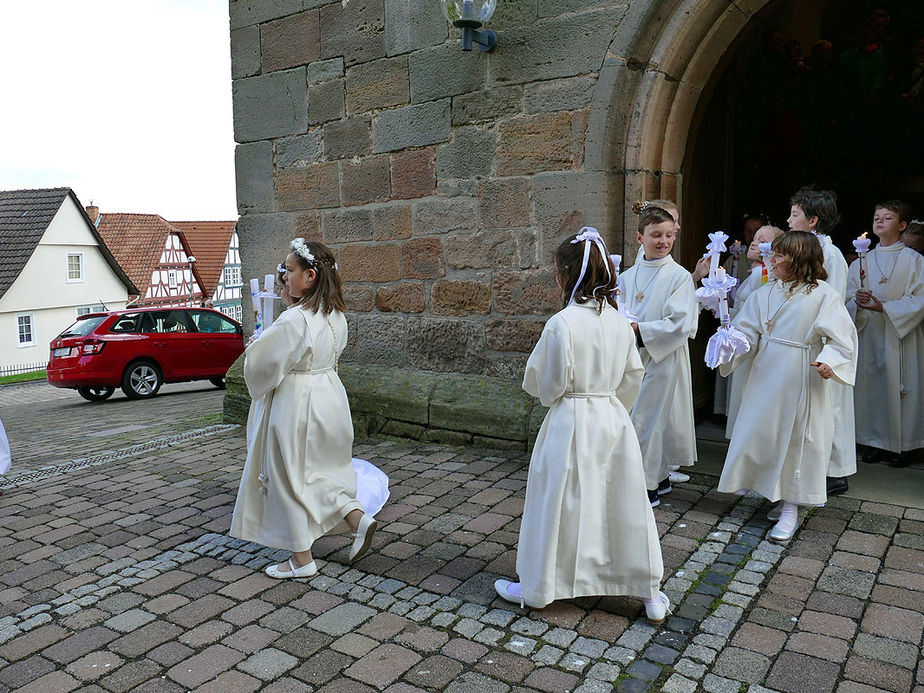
54, 266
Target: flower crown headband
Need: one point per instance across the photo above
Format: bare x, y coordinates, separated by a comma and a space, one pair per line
300, 248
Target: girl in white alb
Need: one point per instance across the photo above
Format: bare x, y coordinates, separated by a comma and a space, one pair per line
587, 528
658, 297
889, 314
298, 482
800, 337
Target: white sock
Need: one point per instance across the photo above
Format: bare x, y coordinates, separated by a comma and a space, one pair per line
789, 517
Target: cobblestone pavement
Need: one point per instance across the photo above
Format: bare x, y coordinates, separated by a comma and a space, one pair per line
116, 575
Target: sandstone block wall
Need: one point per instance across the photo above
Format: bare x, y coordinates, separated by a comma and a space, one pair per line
443, 179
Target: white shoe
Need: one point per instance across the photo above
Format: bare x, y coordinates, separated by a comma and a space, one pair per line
503, 589
773, 514
658, 608
306, 570
362, 538
678, 477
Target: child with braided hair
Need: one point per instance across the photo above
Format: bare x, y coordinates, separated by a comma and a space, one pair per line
587, 528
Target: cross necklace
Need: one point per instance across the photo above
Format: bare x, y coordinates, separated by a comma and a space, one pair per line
639, 295
771, 321
882, 278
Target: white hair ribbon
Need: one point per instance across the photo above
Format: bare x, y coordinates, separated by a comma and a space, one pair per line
590, 236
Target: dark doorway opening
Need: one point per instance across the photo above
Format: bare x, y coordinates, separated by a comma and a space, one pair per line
813, 92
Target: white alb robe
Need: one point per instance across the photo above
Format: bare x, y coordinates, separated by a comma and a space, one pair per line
667, 317
890, 374
727, 392
782, 437
587, 526
844, 450
4, 451
299, 434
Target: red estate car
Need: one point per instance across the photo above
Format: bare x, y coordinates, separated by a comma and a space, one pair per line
142, 349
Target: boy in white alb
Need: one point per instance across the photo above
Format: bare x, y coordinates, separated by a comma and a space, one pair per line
889, 314
815, 211
658, 297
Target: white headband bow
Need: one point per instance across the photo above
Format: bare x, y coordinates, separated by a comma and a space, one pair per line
589, 233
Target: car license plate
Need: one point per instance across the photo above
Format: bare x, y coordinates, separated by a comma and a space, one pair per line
63, 351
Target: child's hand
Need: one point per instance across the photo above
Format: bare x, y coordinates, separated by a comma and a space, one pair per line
824, 370
866, 300
702, 269
634, 326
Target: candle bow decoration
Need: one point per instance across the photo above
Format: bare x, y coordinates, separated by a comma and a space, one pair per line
617, 263
861, 244
262, 303
766, 273
728, 340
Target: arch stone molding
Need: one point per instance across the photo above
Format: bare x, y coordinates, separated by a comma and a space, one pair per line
656, 70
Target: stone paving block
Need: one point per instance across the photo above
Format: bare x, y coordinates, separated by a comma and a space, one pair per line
383, 665
796, 673
231, 681
820, 646
885, 650
94, 665
144, 639
878, 674
892, 622
54, 681
204, 666
79, 644
36, 640
551, 680
268, 664
505, 666
129, 621
22, 672
464, 650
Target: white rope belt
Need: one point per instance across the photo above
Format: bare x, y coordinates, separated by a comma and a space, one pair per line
314, 372
584, 395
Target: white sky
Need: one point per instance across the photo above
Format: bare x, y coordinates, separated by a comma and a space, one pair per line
128, 102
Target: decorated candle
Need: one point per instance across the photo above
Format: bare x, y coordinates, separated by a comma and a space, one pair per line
861, 244
257, 307
269, 282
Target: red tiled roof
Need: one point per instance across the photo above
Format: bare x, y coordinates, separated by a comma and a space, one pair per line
208, 242
137, 241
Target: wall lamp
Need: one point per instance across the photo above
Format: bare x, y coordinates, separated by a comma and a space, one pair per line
469, 15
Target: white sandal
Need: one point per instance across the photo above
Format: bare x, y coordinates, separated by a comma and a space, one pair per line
362, 538
307, 570
502, 587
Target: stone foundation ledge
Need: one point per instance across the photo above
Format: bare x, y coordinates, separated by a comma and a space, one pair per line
447, 408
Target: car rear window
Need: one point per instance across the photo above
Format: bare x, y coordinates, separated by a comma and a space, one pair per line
209, 321
83, 327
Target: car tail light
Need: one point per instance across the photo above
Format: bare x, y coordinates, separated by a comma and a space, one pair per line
92, 347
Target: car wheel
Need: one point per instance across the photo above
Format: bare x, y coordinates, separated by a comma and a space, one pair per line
95, 394
141, 379
218, 382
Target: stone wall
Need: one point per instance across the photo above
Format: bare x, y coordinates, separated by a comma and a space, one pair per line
443, 179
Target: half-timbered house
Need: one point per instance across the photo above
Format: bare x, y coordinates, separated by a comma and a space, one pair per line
156, 255
217, 250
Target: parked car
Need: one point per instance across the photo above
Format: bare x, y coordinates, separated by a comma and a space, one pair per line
139, 350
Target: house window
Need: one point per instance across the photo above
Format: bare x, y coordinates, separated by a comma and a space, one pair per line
238, 312
97, 308
232, 276
75, 267
171, 278
24, 324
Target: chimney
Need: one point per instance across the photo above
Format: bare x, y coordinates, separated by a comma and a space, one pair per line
93, 213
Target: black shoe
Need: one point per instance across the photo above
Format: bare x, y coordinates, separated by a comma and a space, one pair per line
894, 459
836, 485
868, 454
664, 486
653, 498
